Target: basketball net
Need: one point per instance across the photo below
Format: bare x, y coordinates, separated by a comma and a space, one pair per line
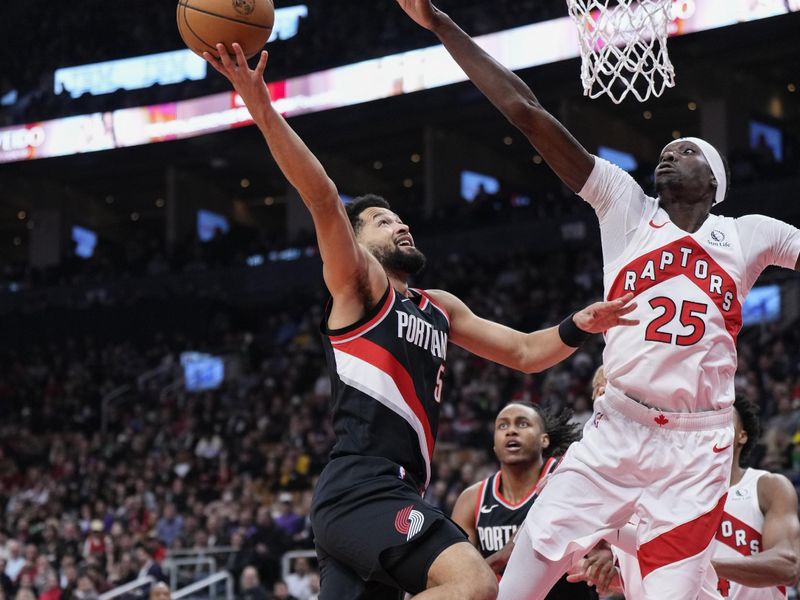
623, 47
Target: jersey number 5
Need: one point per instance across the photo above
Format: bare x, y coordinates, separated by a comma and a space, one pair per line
689, 317
437, 390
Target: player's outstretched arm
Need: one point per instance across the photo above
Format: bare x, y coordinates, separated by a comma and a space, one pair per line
565, 155
778, 562
346, 264
464, 512
527, 352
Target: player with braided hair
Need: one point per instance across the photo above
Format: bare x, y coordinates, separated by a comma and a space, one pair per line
528, 442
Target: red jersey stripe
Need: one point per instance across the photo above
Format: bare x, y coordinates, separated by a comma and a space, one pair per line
387, 304
383, 360
684, 541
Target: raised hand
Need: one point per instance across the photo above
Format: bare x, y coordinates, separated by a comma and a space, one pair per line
248, 83
601, 316
422, 12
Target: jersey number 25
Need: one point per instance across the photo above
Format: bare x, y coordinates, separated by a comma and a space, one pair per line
689, 317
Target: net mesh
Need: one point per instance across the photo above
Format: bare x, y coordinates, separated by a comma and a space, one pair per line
623, 47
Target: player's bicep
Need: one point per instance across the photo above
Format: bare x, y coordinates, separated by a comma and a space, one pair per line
781, 524
464, 513
346, 264
480, 336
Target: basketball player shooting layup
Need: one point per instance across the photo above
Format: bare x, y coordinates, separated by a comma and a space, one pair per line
386, 345
660, 443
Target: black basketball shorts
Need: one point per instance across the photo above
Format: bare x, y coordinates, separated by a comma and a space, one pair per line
374, 534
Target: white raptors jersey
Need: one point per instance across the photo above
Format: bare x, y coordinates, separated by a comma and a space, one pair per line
740, 534
689, 288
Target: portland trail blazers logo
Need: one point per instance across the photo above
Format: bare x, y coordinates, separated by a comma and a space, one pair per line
408, 522
244, 7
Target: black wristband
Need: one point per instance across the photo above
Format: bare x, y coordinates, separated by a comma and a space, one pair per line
572, 335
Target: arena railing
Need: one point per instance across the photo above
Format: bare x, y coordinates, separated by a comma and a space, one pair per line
288, 557
174, 565
210, 583
127, 588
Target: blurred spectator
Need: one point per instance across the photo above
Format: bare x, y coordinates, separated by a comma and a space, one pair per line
313, 582
160, 591
281, 592
51, 590
170, 525
299, 580
85, 589
288, 520
250, 585
147, 566
15, 561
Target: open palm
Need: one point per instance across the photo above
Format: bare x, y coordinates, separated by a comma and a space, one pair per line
601, 316
249, 83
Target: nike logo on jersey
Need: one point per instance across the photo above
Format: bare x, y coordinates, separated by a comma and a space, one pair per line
717, 449
487, 509
654, 226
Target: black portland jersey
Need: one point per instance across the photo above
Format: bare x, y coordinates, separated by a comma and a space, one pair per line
386, 374
497, 520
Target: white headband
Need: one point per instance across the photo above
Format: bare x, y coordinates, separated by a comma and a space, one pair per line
714, 160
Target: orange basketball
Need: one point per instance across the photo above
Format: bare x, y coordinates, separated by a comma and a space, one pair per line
205, 23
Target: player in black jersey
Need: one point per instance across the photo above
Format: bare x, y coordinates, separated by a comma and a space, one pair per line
527, 443
386, 345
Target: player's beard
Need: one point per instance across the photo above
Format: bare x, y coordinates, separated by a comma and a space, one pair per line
406, 260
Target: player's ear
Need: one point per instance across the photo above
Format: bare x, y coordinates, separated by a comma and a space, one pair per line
545, 440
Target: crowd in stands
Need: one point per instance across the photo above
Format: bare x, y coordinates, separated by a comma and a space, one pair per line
333, 34
88, 503
145, 254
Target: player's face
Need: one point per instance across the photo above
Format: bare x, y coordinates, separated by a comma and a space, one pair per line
389, 240
682, 166
519, 435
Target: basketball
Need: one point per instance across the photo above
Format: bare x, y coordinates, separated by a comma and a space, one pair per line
205, 23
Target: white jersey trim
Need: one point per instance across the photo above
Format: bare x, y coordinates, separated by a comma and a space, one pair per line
373, 382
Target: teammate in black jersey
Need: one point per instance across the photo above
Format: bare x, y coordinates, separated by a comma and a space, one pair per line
386, 347
527, 442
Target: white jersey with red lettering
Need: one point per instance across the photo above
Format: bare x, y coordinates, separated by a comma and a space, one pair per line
689, 288
740, 534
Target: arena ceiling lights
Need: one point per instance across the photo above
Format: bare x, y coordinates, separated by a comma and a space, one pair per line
404, 73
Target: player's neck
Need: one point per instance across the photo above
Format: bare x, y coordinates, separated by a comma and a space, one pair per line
517, 480
737, 472
399, 282
688, 216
